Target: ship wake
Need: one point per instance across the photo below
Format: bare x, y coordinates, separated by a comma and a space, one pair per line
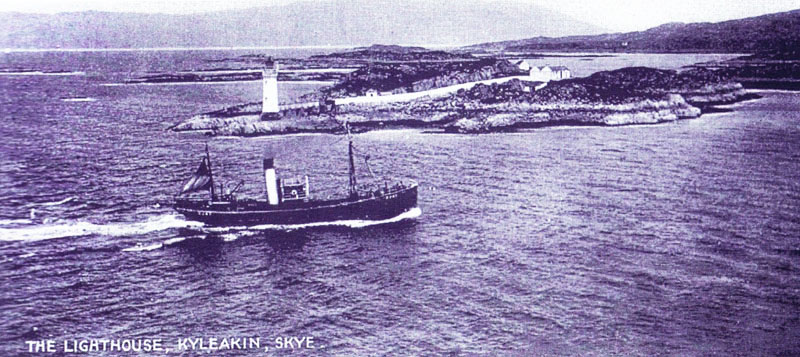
39, 232
232, 233
352, 223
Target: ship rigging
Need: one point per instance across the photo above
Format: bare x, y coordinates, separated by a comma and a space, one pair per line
289, 200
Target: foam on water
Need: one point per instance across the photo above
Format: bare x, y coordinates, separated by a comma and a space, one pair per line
352, 223
143, 248
40, 73
79, 99
175, 240
80, 228
57, 203
8, 222
230, 237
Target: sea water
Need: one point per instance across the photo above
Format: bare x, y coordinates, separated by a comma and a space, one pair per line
678, 238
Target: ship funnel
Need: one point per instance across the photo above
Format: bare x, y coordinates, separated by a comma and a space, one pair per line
271, 181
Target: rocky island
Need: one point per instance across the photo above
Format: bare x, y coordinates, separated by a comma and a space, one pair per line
627, 96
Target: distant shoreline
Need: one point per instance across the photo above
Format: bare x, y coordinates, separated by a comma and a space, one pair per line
576, 52
186, 83
123, 49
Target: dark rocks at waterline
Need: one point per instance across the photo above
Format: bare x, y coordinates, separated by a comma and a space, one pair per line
778, 84
775, 70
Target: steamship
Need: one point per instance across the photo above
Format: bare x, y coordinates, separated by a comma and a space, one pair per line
290, 202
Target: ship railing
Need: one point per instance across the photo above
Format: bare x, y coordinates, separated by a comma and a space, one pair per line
388, 187
293, 181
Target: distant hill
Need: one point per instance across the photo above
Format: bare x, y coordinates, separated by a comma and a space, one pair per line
393, 53
769, 33
335, 22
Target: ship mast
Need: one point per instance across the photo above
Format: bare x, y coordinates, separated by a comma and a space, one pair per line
210, 173
353, 191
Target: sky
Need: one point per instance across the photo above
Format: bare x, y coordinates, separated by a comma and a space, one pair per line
614, 15
635, 15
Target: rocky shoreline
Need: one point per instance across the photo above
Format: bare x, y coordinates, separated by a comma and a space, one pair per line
623, 97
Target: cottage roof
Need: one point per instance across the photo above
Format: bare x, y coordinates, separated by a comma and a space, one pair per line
552, 68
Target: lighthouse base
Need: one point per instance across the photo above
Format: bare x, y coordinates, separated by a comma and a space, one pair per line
270, 116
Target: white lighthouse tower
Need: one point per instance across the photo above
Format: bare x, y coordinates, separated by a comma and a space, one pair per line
269, 103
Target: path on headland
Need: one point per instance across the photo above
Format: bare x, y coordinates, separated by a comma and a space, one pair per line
406, 97
432, 93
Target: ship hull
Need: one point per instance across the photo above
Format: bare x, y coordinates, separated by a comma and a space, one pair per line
252, 213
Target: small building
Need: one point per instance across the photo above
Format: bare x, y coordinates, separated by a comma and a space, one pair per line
372, 93
523, 65
528, 86
561, 72
548, 73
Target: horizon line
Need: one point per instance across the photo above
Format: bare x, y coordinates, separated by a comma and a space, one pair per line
207, 48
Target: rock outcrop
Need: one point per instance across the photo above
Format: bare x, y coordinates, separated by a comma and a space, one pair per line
419, 76
622, 97
526, 115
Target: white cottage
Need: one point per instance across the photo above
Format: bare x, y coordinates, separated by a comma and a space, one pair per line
548, 73
523, 65
372, 93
